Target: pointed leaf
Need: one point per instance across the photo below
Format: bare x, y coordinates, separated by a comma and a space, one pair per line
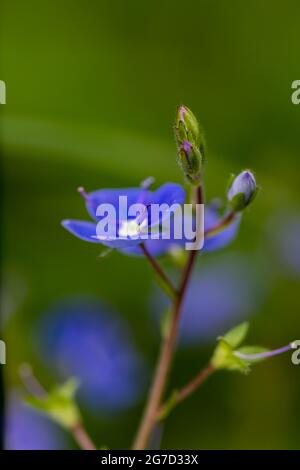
237, 335
59, 404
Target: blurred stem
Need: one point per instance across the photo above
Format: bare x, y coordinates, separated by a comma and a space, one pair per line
183, 393
170, 288
167, 352
35, 388
82, 438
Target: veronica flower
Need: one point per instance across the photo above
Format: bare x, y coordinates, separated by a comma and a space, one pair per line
84, 339
126, 230
26, 429
169, 194
224, 292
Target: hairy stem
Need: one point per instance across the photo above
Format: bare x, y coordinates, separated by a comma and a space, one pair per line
166, 355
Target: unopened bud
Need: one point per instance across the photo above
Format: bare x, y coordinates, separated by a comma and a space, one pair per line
190, 160
242, 190
187, 128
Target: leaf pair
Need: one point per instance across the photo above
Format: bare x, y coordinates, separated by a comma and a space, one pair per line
226, 354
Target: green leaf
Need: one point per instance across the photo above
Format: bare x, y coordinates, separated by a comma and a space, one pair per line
238, 202
224, 358
237, 335
59, 404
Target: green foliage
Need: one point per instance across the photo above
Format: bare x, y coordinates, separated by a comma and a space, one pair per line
59, 404
226, 356
236, 335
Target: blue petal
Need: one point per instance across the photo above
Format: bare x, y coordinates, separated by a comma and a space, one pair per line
87, 231
168, 193
81, 229
111, 196
154, 247
212, 243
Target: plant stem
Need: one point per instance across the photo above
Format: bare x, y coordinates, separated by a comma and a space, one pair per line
166, 355
222, 224
82, 438
187, 390
158, 269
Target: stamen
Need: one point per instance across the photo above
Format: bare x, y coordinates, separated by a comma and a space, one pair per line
82, 192
145, 184
141, 217
264, 355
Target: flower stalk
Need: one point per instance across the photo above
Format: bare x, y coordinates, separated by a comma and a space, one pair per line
160, 273
183, 393
263, 355
166, 355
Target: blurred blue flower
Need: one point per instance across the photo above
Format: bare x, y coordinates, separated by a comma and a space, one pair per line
224, 292
285, 231
26, 429
84, 339
169, 193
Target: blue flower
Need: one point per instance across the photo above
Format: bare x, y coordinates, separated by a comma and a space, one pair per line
26, 429
84, 339
125, 231
224, 292
169, 193
285, 232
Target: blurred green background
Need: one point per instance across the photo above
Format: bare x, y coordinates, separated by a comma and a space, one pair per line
92, 89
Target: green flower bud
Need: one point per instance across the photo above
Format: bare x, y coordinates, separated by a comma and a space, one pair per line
190, 161
187, 127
